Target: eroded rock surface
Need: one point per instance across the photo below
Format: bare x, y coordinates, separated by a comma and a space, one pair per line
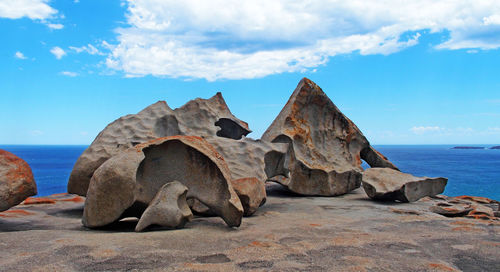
326, 148
127, 183
468, 206
168, 209
198, 117
252, 193
389, 184
16, 180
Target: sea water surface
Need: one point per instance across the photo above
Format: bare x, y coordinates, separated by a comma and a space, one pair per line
470, 171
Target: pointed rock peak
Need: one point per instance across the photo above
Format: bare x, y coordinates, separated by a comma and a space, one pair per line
158, 105
323, 142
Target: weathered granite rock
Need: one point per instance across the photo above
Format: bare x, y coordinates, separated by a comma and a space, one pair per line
155, 121
16, 180
168, 208
199, 117
450, 210
246, 157
252, 193
125, 184
389, 184
468, 206
210, 117
326, 148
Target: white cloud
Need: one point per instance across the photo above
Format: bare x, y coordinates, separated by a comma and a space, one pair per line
247, 39
58, 52
55, 26
19, 55
422, 130
90, 49
33, 9
68, 73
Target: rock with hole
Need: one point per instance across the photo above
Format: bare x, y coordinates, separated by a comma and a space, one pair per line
127, 183
198, 117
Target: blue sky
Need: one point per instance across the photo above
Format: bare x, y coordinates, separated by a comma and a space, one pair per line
404, 72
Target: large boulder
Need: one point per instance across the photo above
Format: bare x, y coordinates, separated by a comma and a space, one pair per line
126, 184
389, 184
325, 147
16, 180
199, 117
168, 208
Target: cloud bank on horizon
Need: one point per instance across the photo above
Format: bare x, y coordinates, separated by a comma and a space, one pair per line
224, 39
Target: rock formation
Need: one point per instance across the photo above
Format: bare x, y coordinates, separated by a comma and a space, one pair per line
199, 117
168, 208
127, 183
252, 194
16, 180
311, 148
325, 147
467, 206
389, 184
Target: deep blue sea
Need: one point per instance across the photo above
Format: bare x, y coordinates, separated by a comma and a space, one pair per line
470, 171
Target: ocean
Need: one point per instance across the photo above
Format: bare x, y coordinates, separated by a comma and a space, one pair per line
470, 171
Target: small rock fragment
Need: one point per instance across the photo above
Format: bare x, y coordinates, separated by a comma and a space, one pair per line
251, 192
450, 210
167, 209
389, 184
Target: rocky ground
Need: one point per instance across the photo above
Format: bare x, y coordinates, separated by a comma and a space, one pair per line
288, 233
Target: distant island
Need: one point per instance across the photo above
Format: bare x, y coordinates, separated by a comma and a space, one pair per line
471, 147
495, 147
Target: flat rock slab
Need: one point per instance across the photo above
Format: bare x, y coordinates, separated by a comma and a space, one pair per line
389, 184
289, 233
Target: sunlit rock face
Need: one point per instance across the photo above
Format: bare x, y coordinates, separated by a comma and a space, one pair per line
16, 180
198, 117
325, 147
126, 184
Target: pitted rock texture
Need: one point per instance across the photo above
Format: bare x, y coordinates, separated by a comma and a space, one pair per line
326, 148
168, 209
210, 117
246, 157
389, 184
199, 117
127, 183
252, 193
155, 121
16, 180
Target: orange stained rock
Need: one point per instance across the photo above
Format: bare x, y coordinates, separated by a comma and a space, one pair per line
15, 213
478, 199
440, 267
76, 199
38, 200
260, 244
466, 229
